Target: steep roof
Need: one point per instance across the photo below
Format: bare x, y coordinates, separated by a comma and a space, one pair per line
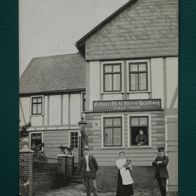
53, 74
140, 28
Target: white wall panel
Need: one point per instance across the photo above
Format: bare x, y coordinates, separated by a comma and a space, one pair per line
94, 91
157, 79
112, 97
172, 81
25, 107
75, 108
65, 109
55, 110
138, 96
37, 120
45, 110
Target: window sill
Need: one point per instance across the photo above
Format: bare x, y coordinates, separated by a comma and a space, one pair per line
36, 115
138, 92
106, 93
136, 147
114, 147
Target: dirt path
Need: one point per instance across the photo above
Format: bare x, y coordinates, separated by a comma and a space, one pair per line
77, 190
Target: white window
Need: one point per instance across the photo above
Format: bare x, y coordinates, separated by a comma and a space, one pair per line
112, 131
112, 76
138, 75
139, 134
36, 141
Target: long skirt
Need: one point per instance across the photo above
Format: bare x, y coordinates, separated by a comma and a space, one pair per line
123, 190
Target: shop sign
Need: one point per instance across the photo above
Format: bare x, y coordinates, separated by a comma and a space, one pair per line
127, 105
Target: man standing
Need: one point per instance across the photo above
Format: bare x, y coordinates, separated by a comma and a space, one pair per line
161, 172
88, 168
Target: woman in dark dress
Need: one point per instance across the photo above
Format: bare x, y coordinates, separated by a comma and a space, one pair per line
125, 180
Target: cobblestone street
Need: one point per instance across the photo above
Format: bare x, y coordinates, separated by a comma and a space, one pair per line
77, 190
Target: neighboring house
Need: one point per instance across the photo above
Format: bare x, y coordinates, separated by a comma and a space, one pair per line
52, 98
132, 84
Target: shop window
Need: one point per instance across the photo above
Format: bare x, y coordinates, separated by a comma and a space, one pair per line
74, 139
139, 133
36, 141
112, 131
112, 80
36, 106
138, 76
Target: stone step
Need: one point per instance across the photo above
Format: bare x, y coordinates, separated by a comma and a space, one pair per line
77, 181
77, 178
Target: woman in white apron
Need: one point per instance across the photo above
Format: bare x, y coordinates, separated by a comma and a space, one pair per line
125, 180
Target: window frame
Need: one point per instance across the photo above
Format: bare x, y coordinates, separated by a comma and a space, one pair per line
148, 71
73, 131
35, 132
111, 63
149, 131
102, 132
42, 105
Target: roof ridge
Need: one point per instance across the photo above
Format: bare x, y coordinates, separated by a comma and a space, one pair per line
57, 55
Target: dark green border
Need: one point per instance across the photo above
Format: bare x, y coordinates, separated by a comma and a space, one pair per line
187, 106
9, 98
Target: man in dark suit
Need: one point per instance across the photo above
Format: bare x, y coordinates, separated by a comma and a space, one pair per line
88, 168
161, 172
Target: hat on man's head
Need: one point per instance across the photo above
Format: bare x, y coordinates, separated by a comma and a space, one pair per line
161, 149
86, 148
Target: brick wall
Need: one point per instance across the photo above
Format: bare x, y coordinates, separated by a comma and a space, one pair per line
26, 174
44, 181
43, 176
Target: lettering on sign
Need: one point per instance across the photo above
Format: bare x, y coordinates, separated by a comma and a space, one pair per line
127, 105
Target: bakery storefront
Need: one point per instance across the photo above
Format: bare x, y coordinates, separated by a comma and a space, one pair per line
133, 126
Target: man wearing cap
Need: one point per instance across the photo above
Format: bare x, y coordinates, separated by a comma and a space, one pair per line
161, 172
88, 168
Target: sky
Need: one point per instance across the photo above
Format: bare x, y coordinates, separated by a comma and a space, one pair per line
52, 27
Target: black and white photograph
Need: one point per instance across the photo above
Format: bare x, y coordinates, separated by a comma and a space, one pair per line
98, 97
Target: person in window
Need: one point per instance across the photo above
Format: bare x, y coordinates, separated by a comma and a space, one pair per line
161, 172
125, 180
141, 138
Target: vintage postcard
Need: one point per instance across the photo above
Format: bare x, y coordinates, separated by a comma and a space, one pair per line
98, 97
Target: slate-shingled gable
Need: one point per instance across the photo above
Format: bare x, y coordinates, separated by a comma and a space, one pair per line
146, 28
61, 73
